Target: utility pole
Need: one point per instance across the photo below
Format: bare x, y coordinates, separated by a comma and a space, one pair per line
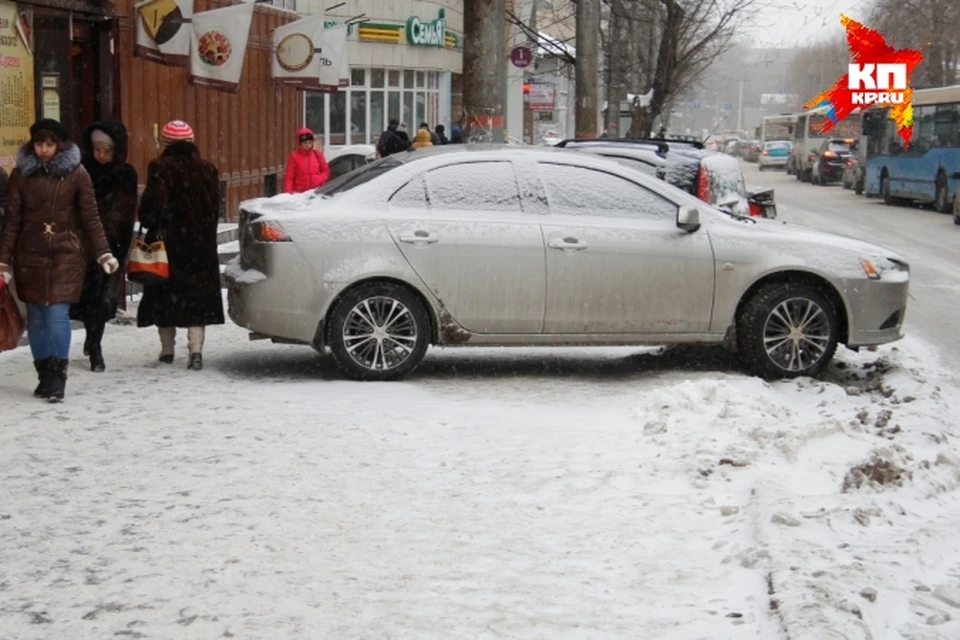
615, 56
740, 105
588, 31
484, 62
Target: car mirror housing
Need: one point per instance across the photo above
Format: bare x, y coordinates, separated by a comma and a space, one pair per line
688, 218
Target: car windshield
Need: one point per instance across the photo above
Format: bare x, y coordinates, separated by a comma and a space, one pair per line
359, 176
777, 145
838, 147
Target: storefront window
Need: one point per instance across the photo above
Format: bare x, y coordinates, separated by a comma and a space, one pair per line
338, 118
421, 79
358, 117
408, 113
422, 108
393, 105
393, 78
377, 115
377, 77
314, 117
432, 82
358, 77
408, 79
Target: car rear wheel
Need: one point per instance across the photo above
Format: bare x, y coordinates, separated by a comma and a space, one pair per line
379, 331
885, 190
786, 331
956, 208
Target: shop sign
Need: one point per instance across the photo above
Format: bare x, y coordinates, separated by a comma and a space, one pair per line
17, 110
219, 46
427, 34
163, 31
297, 49
541, 97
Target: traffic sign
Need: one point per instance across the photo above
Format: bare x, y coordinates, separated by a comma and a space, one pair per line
521, 56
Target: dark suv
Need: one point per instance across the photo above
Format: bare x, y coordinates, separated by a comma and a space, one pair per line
829, 160
716, 178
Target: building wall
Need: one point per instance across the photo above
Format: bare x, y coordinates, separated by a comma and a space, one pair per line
248, 135
394, 51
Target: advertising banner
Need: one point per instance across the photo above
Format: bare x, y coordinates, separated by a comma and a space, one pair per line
297, 52
219, 46
17, 107
163, 31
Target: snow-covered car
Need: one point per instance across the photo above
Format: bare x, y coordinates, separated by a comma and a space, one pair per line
346, 159
774, 154
509, 246
713, 177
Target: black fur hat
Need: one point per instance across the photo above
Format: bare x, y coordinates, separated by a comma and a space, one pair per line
51, 125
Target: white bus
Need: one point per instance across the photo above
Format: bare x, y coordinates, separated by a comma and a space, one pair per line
807, 138
777, 128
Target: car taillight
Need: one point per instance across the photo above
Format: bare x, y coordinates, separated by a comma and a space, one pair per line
849, 162
755, 209
703, 184
765, 153
829, 154
268, 231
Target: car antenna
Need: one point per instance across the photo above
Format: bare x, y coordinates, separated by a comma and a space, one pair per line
704, 141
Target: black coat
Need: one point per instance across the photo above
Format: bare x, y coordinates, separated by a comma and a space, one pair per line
182, 202
392, 141
115, 187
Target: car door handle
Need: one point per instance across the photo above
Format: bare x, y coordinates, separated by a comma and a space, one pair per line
419, 238
567, 244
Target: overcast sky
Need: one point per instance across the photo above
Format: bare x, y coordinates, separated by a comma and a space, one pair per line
799, 22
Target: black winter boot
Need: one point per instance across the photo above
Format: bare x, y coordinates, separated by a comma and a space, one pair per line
43, 374
58, 379
196, 362
96, 359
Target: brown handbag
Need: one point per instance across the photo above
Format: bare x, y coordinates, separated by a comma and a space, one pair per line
12, 325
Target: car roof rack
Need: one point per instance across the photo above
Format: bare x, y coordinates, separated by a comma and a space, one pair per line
662, 143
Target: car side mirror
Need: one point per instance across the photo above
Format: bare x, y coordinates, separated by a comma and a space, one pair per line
688, 218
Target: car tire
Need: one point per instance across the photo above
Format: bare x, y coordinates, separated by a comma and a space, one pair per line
769, 314
941, 202
390, 308
858, 188
956, 208
885, 190
761, 167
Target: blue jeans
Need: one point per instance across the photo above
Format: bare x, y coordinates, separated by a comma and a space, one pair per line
49, 331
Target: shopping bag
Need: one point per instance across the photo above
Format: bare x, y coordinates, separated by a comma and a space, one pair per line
12, 325
147, 261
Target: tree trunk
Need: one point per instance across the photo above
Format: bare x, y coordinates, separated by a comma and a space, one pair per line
666, 63
588, 32
615, 42
484, 70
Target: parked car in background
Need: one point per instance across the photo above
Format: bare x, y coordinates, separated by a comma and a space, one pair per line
829, 160
511, 246
750, 150
853, 171
774, 154
346, 159
713, 177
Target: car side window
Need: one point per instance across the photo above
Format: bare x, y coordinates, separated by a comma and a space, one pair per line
591, 192
340, 166
412, 195
474, 186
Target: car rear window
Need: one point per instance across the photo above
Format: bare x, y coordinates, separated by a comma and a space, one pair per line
359, 176
838, 147
777, 145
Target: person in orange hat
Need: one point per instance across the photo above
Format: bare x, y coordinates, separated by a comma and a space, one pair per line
181, 204
306, 168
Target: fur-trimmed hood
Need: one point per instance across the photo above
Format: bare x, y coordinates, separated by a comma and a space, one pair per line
61, 166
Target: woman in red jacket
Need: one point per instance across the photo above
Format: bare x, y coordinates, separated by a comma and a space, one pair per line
307, 168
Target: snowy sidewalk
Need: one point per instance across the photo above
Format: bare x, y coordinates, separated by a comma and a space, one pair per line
611, 493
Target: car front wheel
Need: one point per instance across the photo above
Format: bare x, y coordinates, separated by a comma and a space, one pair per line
378, 331
786, 331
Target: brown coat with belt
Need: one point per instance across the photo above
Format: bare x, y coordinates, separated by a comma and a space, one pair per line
51, 214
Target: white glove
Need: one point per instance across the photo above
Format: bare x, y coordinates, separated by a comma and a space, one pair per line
109, 263
5, 274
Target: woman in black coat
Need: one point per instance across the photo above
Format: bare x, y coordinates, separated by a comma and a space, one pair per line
182, 203
104, 156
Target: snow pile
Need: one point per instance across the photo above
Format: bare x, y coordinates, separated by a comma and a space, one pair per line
562, 493
238, 274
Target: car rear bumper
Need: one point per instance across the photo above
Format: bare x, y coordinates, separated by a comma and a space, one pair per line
880, 310
768, 161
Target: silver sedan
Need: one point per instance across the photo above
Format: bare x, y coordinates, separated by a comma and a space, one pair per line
483, 245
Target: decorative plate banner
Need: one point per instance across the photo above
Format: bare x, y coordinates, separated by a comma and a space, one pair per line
297, 52
334, 66
163, 31
218, 47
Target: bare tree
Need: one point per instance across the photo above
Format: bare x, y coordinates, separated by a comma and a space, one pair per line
679, 39
815, 68
932, 26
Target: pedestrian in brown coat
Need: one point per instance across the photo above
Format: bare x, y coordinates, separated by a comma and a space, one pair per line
104, 151
51, 215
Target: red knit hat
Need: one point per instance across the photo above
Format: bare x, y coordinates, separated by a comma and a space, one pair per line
177, 130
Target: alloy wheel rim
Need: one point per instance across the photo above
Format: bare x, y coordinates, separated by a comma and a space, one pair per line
380, 333
796, 334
